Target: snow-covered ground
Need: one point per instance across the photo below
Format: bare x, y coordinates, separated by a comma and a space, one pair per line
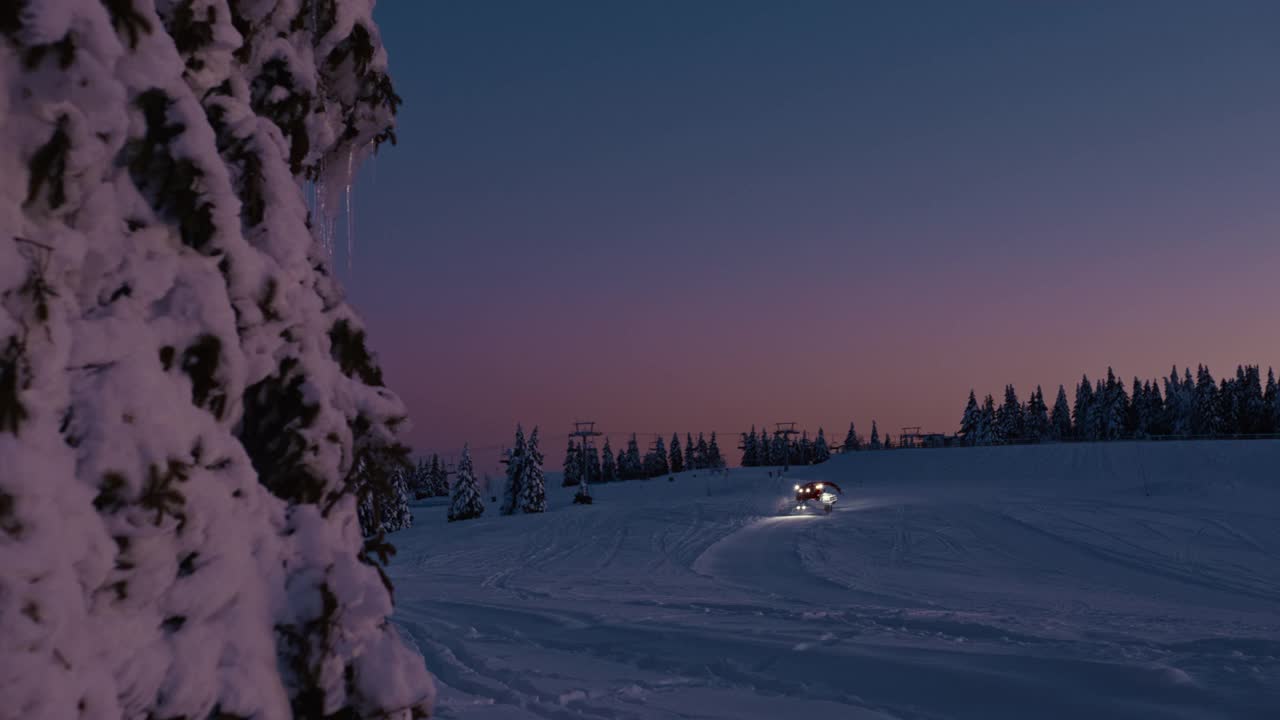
1119, 580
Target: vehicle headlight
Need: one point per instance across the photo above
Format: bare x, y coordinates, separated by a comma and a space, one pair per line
797, 487
819, 486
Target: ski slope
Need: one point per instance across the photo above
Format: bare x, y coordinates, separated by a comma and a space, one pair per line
1120, 580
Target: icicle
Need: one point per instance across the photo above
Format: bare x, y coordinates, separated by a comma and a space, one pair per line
351, 226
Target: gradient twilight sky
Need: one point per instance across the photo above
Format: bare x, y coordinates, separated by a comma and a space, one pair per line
696, 215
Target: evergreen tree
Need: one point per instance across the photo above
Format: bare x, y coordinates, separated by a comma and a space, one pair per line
515, 475
630, 464
1061, 420
676, 460
465, 503
192, 483
691, 457
851, 443
655, 461
968, 421
1157, 416
593, 471
1271, 405
749, 452
533, 489
1009, 420
715, 460
1036, 418
779, 451
1082, 410
821, 452
764, 450
382, 511
703, 454
875, 436
420, 482
1253, 401
573, 465
1177, 402
1115, 408
609, 468
1204, 404
439, 477
987, 422
1137, 411
888, 441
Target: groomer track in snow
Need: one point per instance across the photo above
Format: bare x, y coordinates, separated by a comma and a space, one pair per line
1119, 580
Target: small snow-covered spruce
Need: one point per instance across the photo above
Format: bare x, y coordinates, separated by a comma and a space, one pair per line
515, 475
420, 480
382, 498
703, 454
676, 457
608, 468
715, 460
439, 477
1060, 421
821, 451
969, 421
533, 489
851, 442
875, 436
572, 465
186, 400
466, 502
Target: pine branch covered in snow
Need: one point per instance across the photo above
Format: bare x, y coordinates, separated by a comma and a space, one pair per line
185, 397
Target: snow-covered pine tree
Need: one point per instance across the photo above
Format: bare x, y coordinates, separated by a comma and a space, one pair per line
1115, 406
1157, 415
420, 483
533, 487
1205, 419
1009, 420
1060, 420
676, 459
1228, 407
1036, 418
779, 450
987, 422
630, 464
749, 448
1082, 410
382, 499
1271, 404
608, 468
821, 451
1137, 412
185, 396
655, 461
592, 472
394, 511
715, 459
1177, 406
513, 487
804, 454
968, 421
439, 477
851, 443
1253, 404
764, 449
888, 441
875, 436
572, 465
465, 502
703, 453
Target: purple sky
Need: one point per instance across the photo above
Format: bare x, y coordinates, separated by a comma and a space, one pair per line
677, 216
